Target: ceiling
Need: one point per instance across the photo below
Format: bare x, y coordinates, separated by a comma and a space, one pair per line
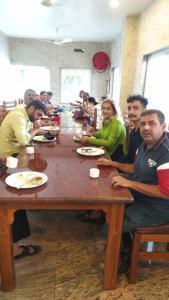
80, 20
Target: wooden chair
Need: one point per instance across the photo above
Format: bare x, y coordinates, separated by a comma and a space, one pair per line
147, 234
20, 101
10, 104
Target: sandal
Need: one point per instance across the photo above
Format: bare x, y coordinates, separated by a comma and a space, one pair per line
28, 250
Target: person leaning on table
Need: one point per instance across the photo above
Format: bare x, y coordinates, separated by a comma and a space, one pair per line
112, 135
19, 126
16, 131
149, 182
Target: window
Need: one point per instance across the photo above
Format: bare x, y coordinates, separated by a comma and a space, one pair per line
72, 81
25, 77
157, 82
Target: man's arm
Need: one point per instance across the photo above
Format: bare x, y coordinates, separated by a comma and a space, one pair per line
127, 168
36, 129
147, 189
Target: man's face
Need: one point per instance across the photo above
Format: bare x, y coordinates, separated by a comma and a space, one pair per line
150, 128
35, 114
135, 110
44, 97
30, 96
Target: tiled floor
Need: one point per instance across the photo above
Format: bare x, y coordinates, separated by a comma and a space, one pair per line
69, 267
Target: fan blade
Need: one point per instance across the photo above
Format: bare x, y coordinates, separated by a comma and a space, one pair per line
49, 3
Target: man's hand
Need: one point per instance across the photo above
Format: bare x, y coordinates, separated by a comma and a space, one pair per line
120, 181
84, 139
104, 162
37, 124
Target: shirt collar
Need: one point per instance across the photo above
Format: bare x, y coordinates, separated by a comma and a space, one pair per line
159, 142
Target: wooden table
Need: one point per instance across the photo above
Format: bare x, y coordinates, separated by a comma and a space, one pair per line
69, 187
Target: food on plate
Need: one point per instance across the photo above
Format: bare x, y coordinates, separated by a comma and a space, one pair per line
36, 180
29, 179
49, 136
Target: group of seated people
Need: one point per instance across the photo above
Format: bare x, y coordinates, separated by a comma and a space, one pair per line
30, 95
85, 109
144, 165
144, 169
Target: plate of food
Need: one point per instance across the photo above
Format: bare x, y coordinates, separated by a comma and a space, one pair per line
90, 151
77, 138
26, 179
50, 128
45, 117
43, 139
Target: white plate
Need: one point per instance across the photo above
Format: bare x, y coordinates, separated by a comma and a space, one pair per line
41, 138
24, 180
90, 151
45, 117
50, 128
77, 138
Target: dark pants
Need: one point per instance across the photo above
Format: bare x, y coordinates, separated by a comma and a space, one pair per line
20, 227
137, 215
118, 153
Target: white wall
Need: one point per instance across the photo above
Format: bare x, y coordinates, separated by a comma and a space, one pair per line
4, 64
54, 57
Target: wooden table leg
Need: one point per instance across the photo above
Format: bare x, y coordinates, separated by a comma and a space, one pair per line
6, 252
113, 245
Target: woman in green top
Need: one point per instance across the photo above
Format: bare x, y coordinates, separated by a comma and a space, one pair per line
112, 135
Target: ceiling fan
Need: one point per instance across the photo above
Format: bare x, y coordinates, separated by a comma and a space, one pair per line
58, 41
50, 3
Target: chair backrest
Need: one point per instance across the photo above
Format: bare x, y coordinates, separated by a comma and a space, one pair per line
20, 101
10, 104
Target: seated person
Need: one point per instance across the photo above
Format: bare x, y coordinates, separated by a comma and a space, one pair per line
3, 113
90, 110
149, 183
49, 97
20, 229
29, 96
19, 126
112, 135
82, 110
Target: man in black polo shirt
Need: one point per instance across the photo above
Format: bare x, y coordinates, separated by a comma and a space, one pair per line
149, 181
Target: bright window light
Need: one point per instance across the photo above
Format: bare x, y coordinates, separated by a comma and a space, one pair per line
156, 83
25, 77
72, 81
114, 3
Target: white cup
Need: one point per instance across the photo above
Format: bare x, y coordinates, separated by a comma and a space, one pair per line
30, 150
94, 172
11, 162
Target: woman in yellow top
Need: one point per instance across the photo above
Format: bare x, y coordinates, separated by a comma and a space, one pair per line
112, 135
